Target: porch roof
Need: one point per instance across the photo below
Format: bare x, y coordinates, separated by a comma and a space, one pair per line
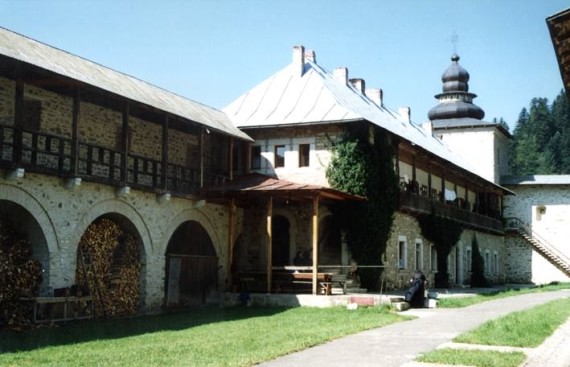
256, 186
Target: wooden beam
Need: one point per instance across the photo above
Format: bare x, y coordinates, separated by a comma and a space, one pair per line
231, 240
165, 125
75, 132
269, 242
315, 241
18, 120
125, 142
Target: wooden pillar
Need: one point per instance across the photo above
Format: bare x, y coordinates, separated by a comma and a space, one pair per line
125, 143
202, 157
18, 120
231, 159
164, 175
75, 133
443, 185
315, 241
269, 243
231, 240
429, 180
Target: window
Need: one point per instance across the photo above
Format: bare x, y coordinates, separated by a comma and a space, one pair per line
469, 256
496, 262
419, 255
402, 249
433, 258
304, 150
279, 156
256, 157
487, 264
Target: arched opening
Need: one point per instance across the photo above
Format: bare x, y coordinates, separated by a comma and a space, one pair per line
15, 218
191, 266
23, 258
109, 258
280, 241
330, 243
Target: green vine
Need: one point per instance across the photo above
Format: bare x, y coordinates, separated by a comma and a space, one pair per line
444, 233
363, 165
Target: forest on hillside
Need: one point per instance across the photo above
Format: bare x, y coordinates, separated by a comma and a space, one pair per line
541, 138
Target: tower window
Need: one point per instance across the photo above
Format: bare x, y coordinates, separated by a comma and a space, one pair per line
280, 156
304, 151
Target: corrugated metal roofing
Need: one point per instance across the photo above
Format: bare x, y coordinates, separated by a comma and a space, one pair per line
63, 63
536, 180
317, 97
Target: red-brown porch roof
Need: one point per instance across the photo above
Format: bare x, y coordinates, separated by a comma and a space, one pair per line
255, 185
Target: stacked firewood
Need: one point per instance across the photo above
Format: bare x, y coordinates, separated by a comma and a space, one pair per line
108, 265
20, 278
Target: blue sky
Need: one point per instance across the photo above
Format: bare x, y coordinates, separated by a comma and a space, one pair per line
214, 51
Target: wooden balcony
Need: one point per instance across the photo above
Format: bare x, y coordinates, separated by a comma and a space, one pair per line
420, 204
63, 157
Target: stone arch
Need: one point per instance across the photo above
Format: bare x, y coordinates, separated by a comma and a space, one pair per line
196, 216
118, 207
191, 268
330, 241
128, 218
293, 228
32, 219
25, 200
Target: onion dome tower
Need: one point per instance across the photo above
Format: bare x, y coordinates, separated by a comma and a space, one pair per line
455, 102
459, 123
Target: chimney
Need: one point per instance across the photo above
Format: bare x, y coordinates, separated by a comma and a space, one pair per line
406, 113
376, 95
358, 84
428, 127
341, 75
311, 56
299, 59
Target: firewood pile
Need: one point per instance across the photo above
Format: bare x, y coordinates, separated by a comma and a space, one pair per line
110, 268
20, 277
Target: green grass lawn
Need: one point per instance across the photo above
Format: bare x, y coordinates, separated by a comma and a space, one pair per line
458, 302
528, 328
240, 336
474, 358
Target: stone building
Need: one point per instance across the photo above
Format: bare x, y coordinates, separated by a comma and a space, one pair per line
80, 142
295, 117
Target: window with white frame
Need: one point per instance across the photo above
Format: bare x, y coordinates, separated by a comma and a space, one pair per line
279, 156
496, 262
469, 259
419, 254
433, 258
402, 252
304, 154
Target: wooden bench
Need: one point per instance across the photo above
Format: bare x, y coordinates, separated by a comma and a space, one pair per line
283, 281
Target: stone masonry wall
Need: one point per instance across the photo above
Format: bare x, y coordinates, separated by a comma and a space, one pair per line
64, 214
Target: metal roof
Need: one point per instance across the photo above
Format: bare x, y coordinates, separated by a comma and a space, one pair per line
27, 50
536, 180
252, 185
316, 97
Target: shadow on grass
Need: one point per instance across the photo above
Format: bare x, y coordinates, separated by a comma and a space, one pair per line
96, 329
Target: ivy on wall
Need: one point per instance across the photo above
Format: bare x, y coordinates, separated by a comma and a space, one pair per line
444, 233
362, 164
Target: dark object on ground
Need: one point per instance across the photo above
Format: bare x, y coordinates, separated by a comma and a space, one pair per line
416, 293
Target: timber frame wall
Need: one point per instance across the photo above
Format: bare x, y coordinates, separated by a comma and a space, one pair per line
57, 126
